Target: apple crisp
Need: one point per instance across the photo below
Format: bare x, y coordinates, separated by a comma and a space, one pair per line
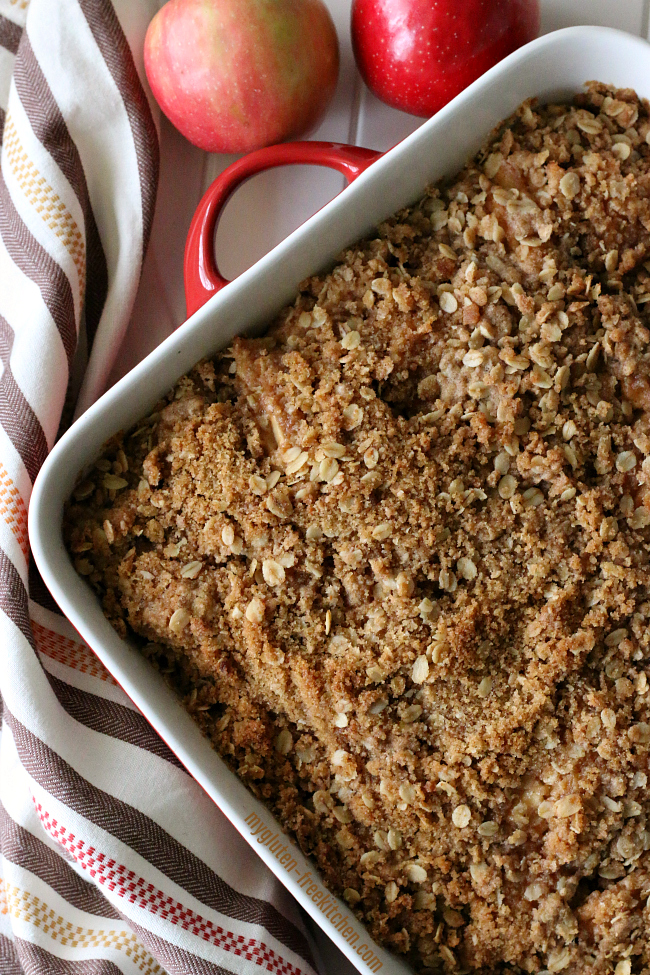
395, 555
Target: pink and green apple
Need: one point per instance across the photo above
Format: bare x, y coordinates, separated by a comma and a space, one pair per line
236, 75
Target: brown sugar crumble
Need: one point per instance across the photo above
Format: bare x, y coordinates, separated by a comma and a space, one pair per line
395, 555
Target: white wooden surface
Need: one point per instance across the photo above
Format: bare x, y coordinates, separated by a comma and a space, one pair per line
271, 205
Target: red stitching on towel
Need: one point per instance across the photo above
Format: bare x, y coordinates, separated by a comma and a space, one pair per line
138, 891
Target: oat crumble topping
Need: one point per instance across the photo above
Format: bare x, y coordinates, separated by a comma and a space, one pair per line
395, 555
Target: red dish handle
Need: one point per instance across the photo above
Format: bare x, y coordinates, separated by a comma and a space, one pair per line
202, 277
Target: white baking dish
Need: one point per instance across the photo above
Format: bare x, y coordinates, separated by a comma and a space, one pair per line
553, 67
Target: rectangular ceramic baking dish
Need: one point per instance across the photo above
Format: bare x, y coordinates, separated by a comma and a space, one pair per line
552, 67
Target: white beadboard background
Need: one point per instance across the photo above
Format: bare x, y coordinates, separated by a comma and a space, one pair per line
271, 205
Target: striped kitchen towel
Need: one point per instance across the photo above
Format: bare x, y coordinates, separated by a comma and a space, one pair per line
113, 859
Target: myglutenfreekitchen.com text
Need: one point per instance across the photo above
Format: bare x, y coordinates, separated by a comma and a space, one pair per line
325, 903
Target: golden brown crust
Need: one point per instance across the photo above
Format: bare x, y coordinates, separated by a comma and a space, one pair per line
395, 555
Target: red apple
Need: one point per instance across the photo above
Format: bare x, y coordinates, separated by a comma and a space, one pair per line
236, 75
417, 54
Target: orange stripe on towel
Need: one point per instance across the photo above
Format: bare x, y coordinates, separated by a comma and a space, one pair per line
13, 510
75, 655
